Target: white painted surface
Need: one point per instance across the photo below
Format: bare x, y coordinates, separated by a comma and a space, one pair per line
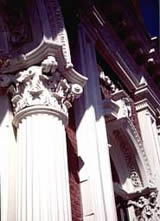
7, 162
43, 185
150, 141
92, 140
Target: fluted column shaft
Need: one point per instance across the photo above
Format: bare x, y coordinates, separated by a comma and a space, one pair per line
40, 97
42, 186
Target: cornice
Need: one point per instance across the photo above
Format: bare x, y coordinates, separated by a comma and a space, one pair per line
114, 52
107, 43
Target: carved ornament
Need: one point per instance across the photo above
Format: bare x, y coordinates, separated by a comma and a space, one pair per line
146, 207
129, 158
42, 85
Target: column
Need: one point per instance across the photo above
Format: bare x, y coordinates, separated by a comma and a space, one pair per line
41, 98
95, 173
7, 161
42, 190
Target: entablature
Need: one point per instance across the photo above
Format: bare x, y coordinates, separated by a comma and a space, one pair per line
121, 53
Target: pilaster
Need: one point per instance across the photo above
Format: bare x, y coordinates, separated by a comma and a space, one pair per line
95, 174
147, 108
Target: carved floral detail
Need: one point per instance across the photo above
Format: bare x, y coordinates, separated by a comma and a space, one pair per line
128, 155
135, 179
43, 85
146, 207
127, 107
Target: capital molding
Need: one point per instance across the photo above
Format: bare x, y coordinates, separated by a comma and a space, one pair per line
38, 109
40, 87
145, 204
145, 105
145, 98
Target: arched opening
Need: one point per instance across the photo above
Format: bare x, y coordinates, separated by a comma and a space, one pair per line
129, 170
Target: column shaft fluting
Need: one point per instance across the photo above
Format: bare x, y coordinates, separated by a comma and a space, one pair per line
42, 185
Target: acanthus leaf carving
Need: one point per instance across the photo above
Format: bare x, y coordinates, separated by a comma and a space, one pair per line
146, 207
41, 85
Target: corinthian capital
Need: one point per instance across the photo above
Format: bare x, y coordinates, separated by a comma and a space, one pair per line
43, 85
146, 207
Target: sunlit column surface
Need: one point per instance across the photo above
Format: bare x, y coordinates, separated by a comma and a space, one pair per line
43, 186
95, 172
40, 99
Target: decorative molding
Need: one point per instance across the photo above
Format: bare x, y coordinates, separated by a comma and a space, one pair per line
38, 109
135, 179
145, 105
144, 96
124, 102
144, 202
146, 207
129, 124
125, 123
123, 129
59, 31
128, 154
41, 86
110, 109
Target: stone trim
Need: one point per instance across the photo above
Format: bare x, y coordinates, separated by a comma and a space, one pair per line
41, 86
145, 105
120, 129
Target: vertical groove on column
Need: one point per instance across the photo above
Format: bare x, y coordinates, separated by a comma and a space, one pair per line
43, 183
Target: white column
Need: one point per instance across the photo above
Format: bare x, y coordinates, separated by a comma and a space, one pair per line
7, 162
43, 185
95, 175
41, 97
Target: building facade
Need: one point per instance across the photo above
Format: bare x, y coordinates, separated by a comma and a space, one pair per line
79, 113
